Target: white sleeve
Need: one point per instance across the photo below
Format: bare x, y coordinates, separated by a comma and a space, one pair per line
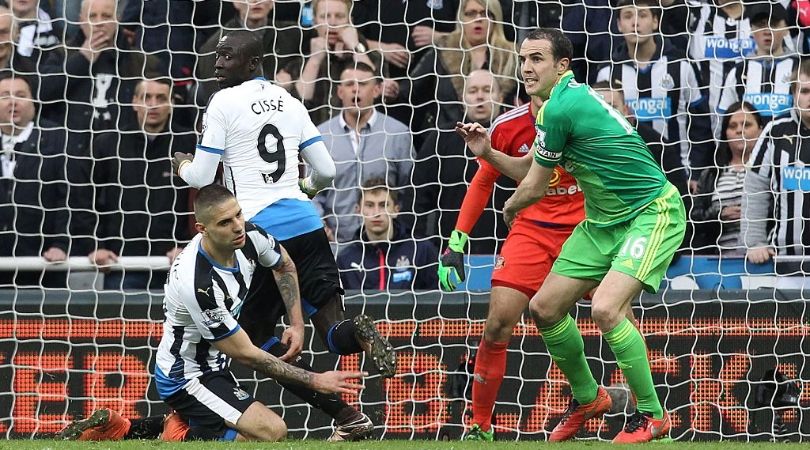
603, 74
267, 247
215, 124
203, 169
209, 313
323, 167
314, 152
728, 95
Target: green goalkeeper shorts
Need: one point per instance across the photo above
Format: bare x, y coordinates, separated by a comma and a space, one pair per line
642, 247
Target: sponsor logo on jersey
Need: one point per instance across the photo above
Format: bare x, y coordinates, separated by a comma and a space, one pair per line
523, 149
651, 108
770, 104
555, 178
796, 177
563, 190
402, 276
499, 263
718, 47
213, 317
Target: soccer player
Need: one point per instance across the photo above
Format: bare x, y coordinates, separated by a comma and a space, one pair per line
634, 222
525, 259
258, 131
204, 293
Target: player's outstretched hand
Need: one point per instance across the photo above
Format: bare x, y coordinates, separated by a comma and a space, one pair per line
179, 159
451, 263
476, 138
338, 382
293, 338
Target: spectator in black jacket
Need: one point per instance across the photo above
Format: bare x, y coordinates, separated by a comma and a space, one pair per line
84, 94
385, 257
718, 202
444, 168
142, 206
32, 186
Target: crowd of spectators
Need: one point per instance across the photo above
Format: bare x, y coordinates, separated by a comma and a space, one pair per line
96, 96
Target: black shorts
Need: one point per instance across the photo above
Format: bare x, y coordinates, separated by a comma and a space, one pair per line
318, 281
208, 401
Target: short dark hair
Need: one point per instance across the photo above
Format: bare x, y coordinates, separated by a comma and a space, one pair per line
7, 74
166, 81
561, 46
207, 197
652, 5
363, 67
377, 184
249, 43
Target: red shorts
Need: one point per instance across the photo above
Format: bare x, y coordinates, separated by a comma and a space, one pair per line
527, 256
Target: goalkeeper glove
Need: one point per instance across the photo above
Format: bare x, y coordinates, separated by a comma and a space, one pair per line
451, 263
305, 184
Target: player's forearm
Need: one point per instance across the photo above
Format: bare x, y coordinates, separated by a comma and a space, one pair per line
513, 167
277, 369
525, 196
306, 83
323, 167
287, 282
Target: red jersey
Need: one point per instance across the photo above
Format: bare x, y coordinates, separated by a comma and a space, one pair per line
513, 133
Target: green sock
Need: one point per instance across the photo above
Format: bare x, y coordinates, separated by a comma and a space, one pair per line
631, 354
565, 345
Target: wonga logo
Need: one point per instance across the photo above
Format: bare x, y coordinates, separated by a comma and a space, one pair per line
769, 104
647, 109
722, 48
796, 178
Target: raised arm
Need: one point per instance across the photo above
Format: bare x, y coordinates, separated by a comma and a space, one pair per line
477, 139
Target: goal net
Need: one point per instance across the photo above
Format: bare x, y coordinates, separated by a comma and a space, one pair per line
727, 338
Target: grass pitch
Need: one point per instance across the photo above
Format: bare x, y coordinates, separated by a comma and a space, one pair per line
380, 445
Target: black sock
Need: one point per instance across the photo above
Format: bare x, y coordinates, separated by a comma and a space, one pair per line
202, 434
341, 338
331, 404
146, 428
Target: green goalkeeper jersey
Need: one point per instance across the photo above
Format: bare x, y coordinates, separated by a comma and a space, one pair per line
578, 130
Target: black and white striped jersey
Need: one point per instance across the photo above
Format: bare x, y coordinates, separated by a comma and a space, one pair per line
201, 305
764, 82
719, 42
666, 94
777, 185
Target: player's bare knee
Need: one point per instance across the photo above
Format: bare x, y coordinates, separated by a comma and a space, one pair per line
279, 429
543, 313
497, 329
606, 316
274, 429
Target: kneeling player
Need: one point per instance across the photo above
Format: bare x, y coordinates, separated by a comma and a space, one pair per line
205, 292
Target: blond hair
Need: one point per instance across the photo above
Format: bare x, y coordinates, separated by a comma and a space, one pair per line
502, 61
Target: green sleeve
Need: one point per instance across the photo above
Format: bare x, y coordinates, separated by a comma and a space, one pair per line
552, 129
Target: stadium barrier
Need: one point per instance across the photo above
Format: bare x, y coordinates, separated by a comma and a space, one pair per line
64, 354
